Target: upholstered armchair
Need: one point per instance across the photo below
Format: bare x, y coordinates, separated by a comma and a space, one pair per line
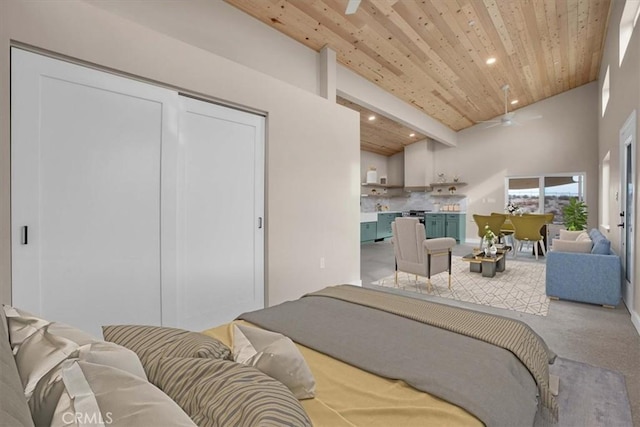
416, 255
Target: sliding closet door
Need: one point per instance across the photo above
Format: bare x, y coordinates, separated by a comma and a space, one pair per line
221, 199
86, 192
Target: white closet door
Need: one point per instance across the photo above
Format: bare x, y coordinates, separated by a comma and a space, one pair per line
221, 199
86, 181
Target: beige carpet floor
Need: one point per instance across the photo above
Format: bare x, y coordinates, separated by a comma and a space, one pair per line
521, 287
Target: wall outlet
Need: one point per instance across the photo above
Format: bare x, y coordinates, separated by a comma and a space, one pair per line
321, 262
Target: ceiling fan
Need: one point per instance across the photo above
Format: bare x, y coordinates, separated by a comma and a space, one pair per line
352, 6
507, 119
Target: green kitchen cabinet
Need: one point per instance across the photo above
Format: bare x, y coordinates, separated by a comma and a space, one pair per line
368, 231
384, 230
445, 225
455, 226
434, 225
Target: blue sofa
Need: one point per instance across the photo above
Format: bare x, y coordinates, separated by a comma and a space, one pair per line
594, 277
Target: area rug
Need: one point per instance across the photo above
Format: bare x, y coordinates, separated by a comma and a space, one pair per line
589, 396
521, 287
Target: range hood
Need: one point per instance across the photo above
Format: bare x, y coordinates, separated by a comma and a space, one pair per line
418, 166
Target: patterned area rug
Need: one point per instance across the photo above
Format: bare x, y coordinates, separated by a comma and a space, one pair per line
521, 287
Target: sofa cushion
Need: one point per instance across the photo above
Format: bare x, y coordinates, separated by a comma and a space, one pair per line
559, 245
569, 234
152, 343
224, 393
601, 245
13, 405
583, 237
96, 393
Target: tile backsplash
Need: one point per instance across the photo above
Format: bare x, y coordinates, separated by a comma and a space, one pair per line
415, 200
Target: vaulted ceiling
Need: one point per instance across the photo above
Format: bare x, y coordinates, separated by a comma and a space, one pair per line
433, 53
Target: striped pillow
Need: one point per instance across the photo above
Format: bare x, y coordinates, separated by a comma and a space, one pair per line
223, 393
152, 343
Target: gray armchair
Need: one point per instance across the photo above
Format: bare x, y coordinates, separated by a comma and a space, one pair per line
417, 255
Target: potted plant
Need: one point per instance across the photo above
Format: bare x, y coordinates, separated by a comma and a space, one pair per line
575, 215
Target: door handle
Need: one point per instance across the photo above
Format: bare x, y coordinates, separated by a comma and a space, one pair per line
259, 222
621, 224
24, 235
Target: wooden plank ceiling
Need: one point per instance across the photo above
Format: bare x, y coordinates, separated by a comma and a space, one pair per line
432, 53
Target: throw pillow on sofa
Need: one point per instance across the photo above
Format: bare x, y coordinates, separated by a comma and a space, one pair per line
601, 245
152, 343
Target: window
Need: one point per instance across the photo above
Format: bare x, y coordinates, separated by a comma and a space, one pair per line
605, 91
604, 199
545, 193
628, 21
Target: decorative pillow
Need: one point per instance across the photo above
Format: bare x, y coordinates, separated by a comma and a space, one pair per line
21, 325
571, 246
39, 354
601, 245
583, 237
102, 395
152, 343
275, 355
223, 393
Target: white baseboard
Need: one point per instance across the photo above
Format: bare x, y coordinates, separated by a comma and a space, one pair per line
356, 283
635, 319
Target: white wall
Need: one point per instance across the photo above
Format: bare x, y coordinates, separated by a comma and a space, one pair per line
372, 160
312, 208
564, 140
624, 99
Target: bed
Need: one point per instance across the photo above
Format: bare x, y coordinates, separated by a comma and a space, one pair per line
383, 359
370, 358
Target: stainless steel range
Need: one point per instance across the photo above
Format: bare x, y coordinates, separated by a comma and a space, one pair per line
416, 213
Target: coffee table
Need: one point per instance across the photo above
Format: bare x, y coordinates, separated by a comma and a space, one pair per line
488, 265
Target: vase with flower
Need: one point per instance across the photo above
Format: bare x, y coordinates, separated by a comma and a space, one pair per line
513, 209
489, 242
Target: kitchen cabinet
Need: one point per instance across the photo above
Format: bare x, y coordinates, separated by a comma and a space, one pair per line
434, 225
384, 224
445, 225
368, 231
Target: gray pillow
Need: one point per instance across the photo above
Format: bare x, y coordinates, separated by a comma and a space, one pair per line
219, 393
152, 343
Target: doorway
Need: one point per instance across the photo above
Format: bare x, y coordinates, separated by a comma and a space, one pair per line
627, 203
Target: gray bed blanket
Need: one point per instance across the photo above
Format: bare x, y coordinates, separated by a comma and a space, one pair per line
390, 336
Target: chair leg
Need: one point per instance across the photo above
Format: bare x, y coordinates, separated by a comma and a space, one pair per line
544, 250
535, 249
515, 248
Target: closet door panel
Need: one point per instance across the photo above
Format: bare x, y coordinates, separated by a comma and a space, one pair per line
221, 242
86, 167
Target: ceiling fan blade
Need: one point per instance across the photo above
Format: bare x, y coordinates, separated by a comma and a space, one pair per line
493, 125
352, 6
527, 118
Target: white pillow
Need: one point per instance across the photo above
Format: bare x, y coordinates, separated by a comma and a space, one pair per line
275, 355
101, 395
583, 237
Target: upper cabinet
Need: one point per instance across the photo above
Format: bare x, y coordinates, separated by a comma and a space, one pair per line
418, 165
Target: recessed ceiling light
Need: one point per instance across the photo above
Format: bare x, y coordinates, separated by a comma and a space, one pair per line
412, 135
514, 102
372, 117
491, 60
